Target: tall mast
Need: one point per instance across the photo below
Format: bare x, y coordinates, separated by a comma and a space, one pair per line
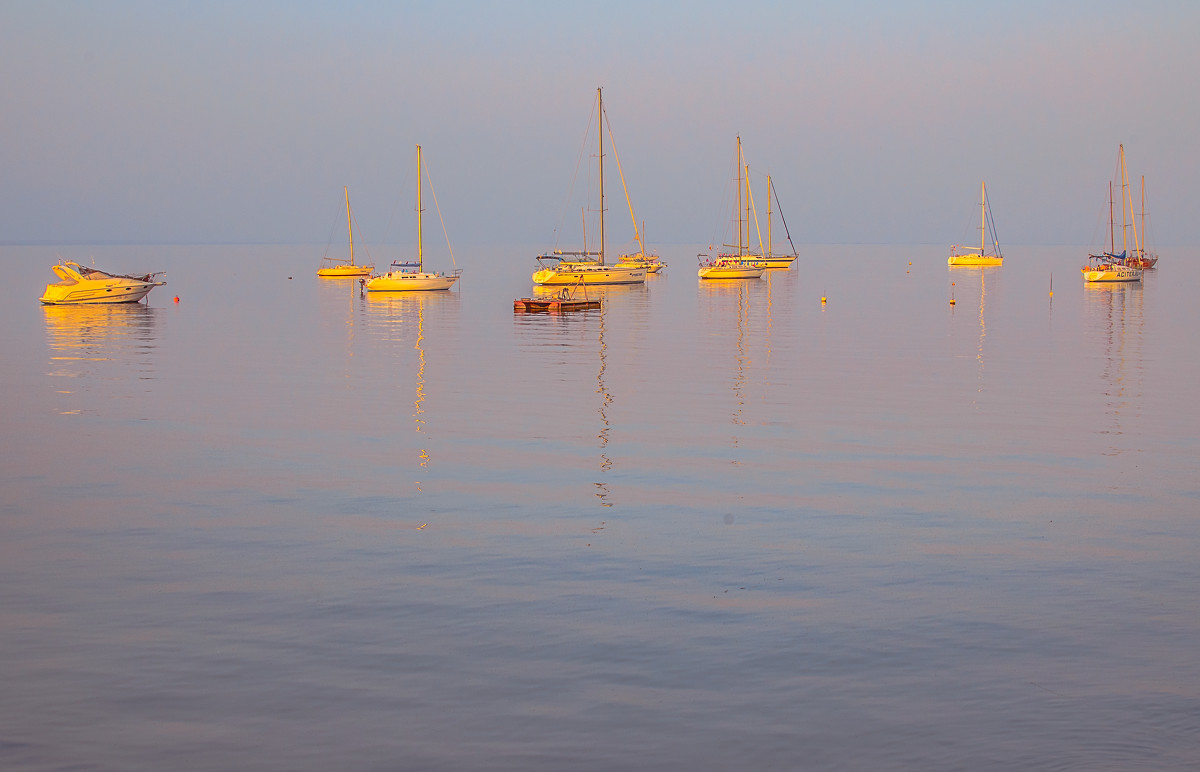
770, 242
420, 235
748, 213
1129, 199
1124, 216
1142, 247
349, 227
1112, 244
982, 234
739, 187
600, 132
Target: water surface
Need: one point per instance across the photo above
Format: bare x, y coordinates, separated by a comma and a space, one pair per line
281, 525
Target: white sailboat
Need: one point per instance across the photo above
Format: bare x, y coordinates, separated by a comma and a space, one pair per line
332, 267
739, 265
1110, 266
412, 277
979, 256
571, 268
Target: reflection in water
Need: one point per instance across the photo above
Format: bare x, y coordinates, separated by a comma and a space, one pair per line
82, 336
982, 325
606, 400
400, 317
725, 293
568, 334
1116, 311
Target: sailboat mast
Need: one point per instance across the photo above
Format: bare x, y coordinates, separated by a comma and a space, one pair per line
770, 241
600, 133
349, 227
1128, 199
420, 209
1124, 215
1112, 243
982, 232
748, 213
1142, 247
739, 189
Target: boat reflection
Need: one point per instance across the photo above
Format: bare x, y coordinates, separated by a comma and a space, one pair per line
739, 298
1114, 312
577, 340
126, 332
402, 317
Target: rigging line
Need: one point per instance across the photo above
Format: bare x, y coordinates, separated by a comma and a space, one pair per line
439, 211
329, 242
987, 207
387, 230
754, 210
562, 212
628, 202
778, 208
358, 228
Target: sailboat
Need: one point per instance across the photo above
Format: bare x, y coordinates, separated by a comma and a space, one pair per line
652, 263
412, 277
769, 259
1142, 258
1110, 266
336, 266
979, 256
739, 265
558, 268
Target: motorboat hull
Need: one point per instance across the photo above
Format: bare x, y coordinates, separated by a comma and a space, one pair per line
88, 285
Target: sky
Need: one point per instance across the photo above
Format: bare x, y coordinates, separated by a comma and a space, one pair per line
235, 122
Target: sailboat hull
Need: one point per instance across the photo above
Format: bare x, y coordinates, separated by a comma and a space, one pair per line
574, 273
400, 281
335, 271
729, 269
975, 260
774, 261
1112, 273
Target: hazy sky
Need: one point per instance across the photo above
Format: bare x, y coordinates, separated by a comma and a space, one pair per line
241, 121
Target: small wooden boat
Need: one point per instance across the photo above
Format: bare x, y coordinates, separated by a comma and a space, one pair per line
560, 302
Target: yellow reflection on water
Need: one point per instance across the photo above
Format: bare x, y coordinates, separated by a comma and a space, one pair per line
1114, 313
400, 317
81, 334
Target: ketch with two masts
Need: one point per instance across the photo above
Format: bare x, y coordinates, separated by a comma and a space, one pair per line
1110, 266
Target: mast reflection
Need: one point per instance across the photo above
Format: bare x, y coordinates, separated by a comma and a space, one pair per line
1115, 310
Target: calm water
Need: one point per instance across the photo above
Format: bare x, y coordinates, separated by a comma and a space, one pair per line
280, 526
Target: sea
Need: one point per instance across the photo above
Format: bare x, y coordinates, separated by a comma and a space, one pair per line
868, 513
